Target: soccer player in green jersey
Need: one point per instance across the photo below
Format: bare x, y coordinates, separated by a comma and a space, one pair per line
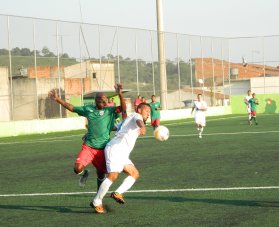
100, 123
253, 105
155, 113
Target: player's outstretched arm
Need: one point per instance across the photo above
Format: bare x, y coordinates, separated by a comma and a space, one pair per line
54, 96
118, 89
141, 125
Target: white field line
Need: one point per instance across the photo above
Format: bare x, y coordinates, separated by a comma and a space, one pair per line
146, 191
47, 140
207, 120
60, 138
214, 134
44, 140
63, 138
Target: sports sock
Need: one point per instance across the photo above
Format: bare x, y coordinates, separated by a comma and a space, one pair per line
201, 130
100, 181
82, 172
126, 184
104, 187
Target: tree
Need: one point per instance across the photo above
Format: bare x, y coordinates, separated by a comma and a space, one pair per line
47, 53
25, 52
16, 51
65, 55
4, 52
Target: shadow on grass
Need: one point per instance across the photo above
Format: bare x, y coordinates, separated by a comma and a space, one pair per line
61, 209
251, 203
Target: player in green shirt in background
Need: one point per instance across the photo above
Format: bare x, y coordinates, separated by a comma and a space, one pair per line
253, 105
100, 123
155, 112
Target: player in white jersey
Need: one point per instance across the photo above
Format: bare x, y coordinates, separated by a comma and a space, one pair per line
246, 101
117, 154
200, 107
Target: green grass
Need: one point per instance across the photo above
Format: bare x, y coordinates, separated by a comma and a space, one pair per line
230, 154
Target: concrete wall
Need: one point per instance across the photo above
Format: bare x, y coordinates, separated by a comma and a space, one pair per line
104, 74
238, 87
16, 128
267, 85
66, 124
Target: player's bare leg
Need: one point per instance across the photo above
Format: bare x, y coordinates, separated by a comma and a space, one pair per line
133, 175
102, 191
200, 129
82, 172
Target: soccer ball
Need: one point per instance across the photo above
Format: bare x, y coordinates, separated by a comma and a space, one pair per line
161, 133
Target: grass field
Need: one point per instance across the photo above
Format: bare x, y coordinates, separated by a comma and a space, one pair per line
230, 177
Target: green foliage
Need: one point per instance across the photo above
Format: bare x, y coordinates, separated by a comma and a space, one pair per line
24, 58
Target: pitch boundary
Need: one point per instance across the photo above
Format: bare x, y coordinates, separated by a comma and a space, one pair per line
147, 191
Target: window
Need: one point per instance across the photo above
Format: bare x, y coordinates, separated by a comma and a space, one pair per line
94, 75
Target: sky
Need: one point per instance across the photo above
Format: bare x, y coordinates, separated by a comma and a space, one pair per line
221, 18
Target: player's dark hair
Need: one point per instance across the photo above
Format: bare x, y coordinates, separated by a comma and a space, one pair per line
141, 105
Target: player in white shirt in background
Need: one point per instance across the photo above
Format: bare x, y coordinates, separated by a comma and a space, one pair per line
117, 154
246, 101
200, 107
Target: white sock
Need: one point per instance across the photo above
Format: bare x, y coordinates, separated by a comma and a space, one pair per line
126, 184
201, 129
102, 192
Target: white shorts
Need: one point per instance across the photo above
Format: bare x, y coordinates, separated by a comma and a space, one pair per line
200, 118
116, 158
248, 110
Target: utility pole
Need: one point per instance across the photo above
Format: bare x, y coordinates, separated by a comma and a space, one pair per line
161, 55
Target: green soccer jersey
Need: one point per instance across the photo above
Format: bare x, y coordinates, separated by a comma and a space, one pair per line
155, 114
253, 104
100, 123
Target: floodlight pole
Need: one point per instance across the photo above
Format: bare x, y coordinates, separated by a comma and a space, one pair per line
161, 55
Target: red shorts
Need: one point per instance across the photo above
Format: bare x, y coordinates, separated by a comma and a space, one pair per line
253, 113
155, 122
91, 155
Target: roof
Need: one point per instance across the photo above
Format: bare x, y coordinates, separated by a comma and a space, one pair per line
109, 93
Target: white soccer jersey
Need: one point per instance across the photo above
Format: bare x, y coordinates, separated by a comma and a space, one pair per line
119, 148
128, 133
200, 115
246, 100
200, 105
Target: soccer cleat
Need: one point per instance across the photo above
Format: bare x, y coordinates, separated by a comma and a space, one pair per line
117, 197
99, 209
256, 123
200, 136
83, 178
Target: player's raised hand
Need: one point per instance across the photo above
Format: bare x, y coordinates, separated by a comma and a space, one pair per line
53, 94
118, 88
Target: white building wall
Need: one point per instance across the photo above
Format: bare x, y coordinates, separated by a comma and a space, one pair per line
267, 85
4, 95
